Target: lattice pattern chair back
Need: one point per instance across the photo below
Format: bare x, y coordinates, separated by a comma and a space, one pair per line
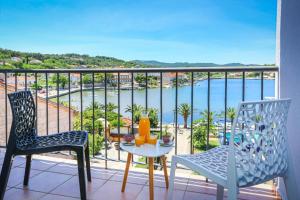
23, 111
258, 141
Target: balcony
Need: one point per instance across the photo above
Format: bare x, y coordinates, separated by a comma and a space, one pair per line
70, 99
56, 178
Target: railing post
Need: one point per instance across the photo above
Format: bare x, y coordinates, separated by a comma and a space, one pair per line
93, 102
161, 103
119, 121
176, 111
225, 111
6, 126
57, 98
36, 102
47, 108
192, 110
105, 117
208, 110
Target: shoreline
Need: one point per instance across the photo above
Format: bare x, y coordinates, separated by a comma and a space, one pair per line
66, 92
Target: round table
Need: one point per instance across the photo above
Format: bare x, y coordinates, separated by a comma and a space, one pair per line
150, 151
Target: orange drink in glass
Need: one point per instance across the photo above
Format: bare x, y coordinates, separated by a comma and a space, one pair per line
144, 127
152, 139
139, 140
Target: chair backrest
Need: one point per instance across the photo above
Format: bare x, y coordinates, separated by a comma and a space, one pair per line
258, 141
23, 122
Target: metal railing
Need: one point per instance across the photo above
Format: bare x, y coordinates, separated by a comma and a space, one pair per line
9, 82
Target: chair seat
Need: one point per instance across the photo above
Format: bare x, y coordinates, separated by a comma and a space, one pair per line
60, 140
211, 163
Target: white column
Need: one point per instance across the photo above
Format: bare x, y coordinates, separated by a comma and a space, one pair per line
288, 59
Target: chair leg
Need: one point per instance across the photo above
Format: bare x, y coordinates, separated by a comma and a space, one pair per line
81, 173
27, 170
220, 192
87, 163
172, 177
6, 167
233, 193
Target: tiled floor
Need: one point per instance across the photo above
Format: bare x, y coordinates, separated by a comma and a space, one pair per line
58, 180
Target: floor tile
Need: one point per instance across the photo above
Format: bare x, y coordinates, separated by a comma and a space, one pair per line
202, 187
102, 173
2, 154
112, 190
197, 196
255, 196
57, 197
19, 194
46, 181
64, 169
18, 161
256, 190
16, 176
159, 193
71, 187
133, 177
53, 180
40, 164
179, 184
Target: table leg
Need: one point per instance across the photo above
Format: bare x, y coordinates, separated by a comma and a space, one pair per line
164, 163
126, 171
151, 179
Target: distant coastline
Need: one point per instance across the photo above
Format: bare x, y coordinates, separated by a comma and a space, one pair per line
75, 90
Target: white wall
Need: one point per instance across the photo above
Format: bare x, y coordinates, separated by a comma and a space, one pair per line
288, 59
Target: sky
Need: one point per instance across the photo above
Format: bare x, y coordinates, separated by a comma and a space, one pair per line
219, 31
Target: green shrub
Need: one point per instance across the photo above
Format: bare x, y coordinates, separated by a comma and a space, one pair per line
98, 143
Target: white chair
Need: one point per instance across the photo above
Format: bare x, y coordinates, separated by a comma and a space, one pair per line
257, 151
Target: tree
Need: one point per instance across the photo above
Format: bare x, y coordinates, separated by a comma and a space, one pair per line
111, 115
87, 79
152, 81
231, 114
199, 133
140, 79
200, 130
111, 107
185, 111
36, 86
62, 81
88, 123
153, 117
18, 65
137, 111
204, 115
99, 78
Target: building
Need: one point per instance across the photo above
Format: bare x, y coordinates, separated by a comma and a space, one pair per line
170, 77
124, 78
16, 59
35, 61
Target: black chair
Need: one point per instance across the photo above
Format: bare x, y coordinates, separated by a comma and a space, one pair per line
23, 140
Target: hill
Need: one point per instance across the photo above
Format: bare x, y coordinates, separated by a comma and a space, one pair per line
26, 60
186, 64
17, 59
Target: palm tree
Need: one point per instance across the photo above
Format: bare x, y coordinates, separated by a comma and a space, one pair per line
137, 111
185, 111
231, 114
153, 117
204, 115
111, 107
